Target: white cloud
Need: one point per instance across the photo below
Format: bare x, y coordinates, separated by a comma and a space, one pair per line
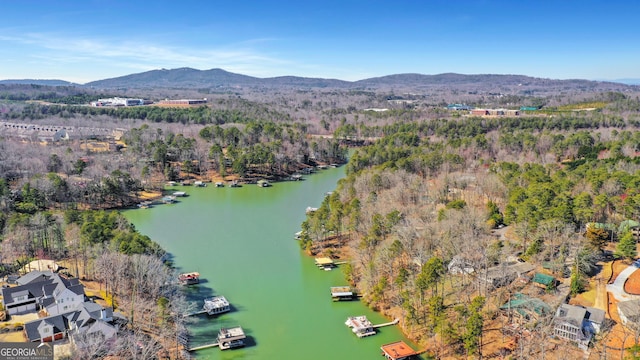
67, 53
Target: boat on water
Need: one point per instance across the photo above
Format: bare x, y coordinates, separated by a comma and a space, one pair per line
180, 194
219, 184
234, 184
216, 305
145, 204
189, 278
229, 338
360, 325
310, 209
200, 184
169, 199
263, 183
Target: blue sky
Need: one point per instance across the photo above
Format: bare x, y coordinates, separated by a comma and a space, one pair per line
88, 40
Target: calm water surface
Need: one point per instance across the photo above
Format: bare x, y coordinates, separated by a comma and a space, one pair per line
241, 242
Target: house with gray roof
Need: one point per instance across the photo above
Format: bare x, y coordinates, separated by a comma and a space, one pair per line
459, 265
68, 314
47, 329
25, 298
34, 276
629, 312
40, 290
577, 324
86, 319
505, 273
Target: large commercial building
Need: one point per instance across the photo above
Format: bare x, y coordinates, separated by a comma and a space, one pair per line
116, 101
183, 102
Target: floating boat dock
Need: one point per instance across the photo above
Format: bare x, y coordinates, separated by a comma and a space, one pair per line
191, 278
361, 326
216, 305
231, 338
325, 263
343, 293
398, 350
228, 338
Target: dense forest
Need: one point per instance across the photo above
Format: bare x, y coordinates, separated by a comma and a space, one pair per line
429, 194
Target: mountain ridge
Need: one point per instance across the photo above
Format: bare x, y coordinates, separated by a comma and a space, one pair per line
45, 82
186, 77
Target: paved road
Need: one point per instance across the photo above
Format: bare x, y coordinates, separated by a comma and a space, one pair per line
617, 288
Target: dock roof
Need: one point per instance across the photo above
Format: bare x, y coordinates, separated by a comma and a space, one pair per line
230, 334
216, 302
341, 291
397, 350
324, 261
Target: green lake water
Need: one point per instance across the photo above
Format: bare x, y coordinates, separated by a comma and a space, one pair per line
241, 241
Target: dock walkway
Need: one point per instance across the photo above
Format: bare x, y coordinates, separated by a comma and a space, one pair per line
196, 313
215, 344
386, 324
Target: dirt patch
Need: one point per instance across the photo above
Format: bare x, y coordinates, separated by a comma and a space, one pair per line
632, 285
334, 247
149, 195
619, 337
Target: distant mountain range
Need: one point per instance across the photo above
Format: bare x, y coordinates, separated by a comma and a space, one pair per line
40, 82
188, 78
628, 81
